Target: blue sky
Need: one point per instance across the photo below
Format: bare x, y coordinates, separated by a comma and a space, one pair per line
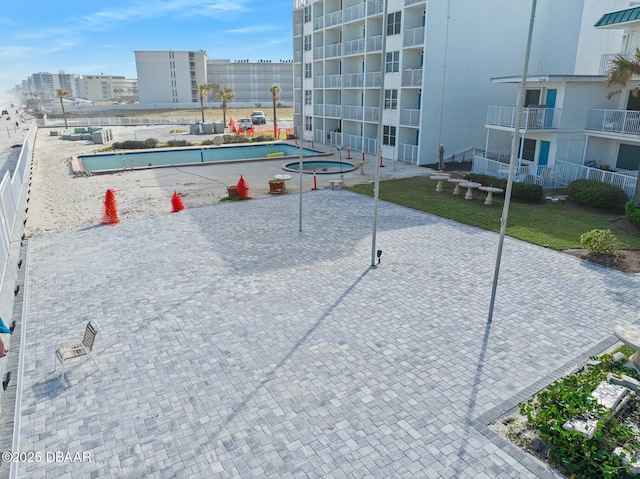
90, 38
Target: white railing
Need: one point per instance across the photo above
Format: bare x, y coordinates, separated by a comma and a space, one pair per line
412, 77
614, 121
374, 44
354, 47
318, 23
373, 79
351, 112
606, 60
355, 12
297, 56
375, 6
333, 18
532, 118
355, 142
318, 53
333, 81
371, 113
557, 176
332, 50
297, 29
333, 110
414, 36
297, 82
114, 121
371, 146
353, 80
412, 2
318, 81
408, 153
410, 117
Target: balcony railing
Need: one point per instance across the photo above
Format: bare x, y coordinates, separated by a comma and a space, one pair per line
375, 6
408, 153
297, 29
374, 44
333, 110
318, 81
333, 81
353, 80
412, 77
412, 2
607, 59
414, 36
334, 18
373, 79
557, 176
318, 53
351, 112
410, 117
614, 121
354, 47
318, 23
318, 110
332, 50
355, 12
371, 113
297, 56
532, 118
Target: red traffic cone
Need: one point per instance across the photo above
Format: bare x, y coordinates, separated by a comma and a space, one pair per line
176, 202
110, 209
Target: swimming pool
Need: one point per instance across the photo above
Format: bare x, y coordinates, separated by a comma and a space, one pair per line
112, 162
320, 167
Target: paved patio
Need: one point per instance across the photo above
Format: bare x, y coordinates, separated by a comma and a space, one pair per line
232, 345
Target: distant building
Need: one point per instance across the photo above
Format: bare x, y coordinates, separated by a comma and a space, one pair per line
172, 77
108, 87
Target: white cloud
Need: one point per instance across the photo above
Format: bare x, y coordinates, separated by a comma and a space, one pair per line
254, 29
15, 51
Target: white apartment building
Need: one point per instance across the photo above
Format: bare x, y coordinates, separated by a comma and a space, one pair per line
107, 87
423, 69
251, 82
170, 76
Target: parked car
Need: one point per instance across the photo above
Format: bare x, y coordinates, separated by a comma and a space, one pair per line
258, 118
245, 123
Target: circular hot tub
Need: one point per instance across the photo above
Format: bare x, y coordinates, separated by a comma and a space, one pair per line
321, 167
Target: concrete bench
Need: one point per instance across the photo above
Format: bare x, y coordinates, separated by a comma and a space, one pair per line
335, 184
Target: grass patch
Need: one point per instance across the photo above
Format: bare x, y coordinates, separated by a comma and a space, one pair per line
557, 225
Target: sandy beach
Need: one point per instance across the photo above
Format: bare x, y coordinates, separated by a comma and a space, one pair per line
60, 201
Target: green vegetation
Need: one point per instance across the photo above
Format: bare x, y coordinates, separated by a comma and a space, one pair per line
600, 242
557, 225
633, 213
570, 397
596, 194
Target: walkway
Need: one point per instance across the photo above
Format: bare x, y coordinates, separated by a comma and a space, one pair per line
232, 345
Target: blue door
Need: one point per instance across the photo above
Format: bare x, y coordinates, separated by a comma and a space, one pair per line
551, 104
543, 159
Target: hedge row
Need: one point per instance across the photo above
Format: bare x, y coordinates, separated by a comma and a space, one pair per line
519, 191
595, 194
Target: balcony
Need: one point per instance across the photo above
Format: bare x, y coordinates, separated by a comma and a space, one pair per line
606, 60
331, 51
375, 6
408, 153
351, 112
374, 44
412, 77
297, 56
354, 47
318, 23
297, 29
626, 122
333, 81
409, 117
333, 111
355, 13
373, 79
318, 81
353, 80
413, 37
318, 53
332, 19
371, 113
318, 110
532, 118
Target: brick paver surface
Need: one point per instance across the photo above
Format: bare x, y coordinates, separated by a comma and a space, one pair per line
232, 345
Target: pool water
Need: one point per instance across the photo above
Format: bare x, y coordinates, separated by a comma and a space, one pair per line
320, 167
110, 162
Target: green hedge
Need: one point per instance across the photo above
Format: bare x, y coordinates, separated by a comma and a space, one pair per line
633, 213
135, 145
596, 194
519, 191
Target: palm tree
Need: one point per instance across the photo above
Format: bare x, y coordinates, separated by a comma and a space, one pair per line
203, 91
622, 71
226, 95
61, 94
275, 89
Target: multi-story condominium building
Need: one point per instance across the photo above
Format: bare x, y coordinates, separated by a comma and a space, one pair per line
170, 76
415, 74
574, 125
251, 82
42, 85
107, 87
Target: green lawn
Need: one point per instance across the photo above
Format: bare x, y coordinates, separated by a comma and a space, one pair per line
554, 224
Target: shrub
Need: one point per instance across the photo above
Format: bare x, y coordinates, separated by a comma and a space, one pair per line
596, 194
600, 242
257, 139
208, 142
233, 138
179, 143
519, 191
633, 213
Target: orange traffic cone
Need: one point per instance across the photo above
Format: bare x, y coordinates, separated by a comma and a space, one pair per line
176, 202
110, 209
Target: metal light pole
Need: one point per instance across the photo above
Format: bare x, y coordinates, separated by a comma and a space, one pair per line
512, 160
341, 175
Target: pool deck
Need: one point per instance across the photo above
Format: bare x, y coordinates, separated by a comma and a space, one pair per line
232, 344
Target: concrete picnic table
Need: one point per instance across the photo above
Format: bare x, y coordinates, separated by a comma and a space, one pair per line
629, 334
456, 181
440, 177
490, 191
469, 185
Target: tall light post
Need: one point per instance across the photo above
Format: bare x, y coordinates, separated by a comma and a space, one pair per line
512, 160
341, 175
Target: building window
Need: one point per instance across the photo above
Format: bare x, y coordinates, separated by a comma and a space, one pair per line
307, 97
307, 43
307, 14
389, 135
393, 62
393, 23
307, 70
308, 123
391, 99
